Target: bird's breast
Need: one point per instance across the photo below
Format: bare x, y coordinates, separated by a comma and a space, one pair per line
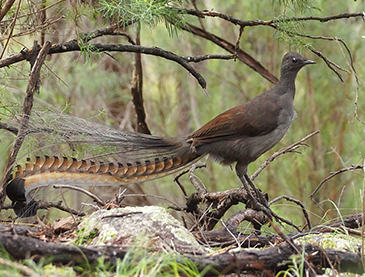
287, 113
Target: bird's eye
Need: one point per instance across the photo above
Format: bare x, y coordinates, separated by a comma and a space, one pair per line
294, 60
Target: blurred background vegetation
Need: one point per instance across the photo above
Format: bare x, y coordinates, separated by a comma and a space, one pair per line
89, 84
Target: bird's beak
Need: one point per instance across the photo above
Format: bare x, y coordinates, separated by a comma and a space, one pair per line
309, 62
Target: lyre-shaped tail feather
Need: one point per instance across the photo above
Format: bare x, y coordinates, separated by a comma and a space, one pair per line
44, 171
113, 156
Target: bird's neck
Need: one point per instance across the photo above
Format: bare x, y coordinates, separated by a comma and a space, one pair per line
286, 83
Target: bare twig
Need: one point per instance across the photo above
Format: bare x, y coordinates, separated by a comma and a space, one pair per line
38, 11
127, 36
197, 59
351, 65
109, 30
9, 128
43, 18
177, 177
220, 202
86, 37
198, 187
88, 193
199, 17
241, 55
37, 28
73, 45
344, 225
230, 233
47, 205
292, 245
229, 18
286, 221
296, 201
271, 23
175, 206
321, 19
5, 8
239, 38
155, 51
274, 23
137, 90
333, 174
58, 205
329, 63
290, 148
12, 25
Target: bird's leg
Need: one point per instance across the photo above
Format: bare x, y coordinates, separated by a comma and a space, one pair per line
259, 194
259, 202
255, 201
252, 199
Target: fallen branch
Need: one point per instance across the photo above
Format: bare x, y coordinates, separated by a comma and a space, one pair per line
270, 260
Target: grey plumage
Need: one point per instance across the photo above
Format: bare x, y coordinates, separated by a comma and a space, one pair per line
239, 135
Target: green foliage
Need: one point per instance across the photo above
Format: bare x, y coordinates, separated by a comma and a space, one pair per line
176, 105
140, 263
150, 12
88, 50
296, 268
136, 262
288, 33
78, 13
298, 6
82, 239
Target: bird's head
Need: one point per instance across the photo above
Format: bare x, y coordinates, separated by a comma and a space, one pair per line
292, 63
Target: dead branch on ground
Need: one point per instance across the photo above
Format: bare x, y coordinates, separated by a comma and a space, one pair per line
269, 260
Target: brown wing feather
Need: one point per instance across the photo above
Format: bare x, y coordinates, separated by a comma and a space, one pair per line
250, 120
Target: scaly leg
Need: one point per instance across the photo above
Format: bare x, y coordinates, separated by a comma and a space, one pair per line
259, 202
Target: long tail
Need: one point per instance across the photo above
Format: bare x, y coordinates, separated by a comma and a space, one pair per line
153, 157
50, 170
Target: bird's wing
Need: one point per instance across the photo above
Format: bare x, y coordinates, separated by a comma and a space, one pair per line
250, 120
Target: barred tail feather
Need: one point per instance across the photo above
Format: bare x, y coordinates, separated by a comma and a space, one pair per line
46, 170
112, 156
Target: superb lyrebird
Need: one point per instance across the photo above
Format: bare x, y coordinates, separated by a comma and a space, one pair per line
239, 135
